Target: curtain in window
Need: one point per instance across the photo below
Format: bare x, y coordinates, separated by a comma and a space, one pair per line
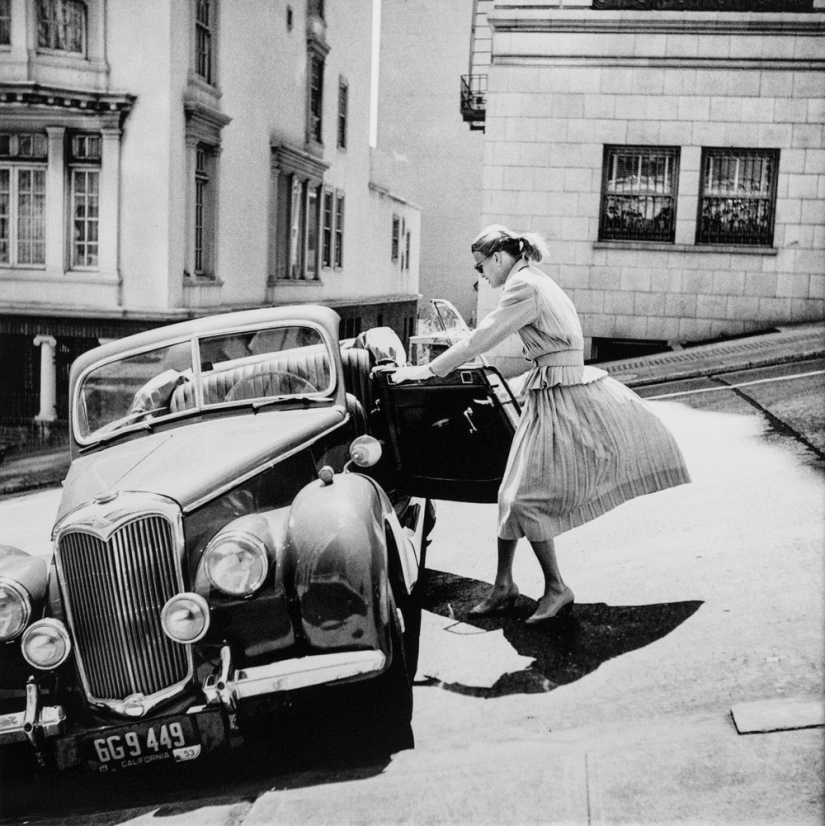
61, 25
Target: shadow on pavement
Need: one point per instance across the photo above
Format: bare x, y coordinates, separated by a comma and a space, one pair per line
564, 650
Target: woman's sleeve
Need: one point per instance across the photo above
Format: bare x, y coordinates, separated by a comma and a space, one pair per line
517, 307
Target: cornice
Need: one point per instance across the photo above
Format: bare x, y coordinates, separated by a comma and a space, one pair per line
587, 21
28, 94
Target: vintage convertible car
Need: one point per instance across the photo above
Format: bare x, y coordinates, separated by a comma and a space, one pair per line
243, 523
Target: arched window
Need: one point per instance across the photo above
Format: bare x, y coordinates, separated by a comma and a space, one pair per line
61, 25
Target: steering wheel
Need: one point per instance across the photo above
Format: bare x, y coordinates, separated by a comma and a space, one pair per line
275, 383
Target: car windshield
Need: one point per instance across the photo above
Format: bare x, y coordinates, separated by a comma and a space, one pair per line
243, 367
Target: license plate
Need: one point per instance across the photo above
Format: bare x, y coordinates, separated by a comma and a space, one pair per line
174, 739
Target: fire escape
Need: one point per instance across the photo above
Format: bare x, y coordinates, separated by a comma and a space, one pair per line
474, 84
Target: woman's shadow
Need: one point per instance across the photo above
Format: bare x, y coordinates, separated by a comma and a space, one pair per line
564, 650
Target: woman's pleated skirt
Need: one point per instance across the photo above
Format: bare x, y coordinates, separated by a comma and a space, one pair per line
579, 451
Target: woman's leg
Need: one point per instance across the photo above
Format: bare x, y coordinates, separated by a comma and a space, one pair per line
556, 592
504, 590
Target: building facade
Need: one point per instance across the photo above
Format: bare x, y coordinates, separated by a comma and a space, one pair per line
671, 153
160, 161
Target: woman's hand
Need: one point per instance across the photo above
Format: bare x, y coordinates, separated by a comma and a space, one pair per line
411, 374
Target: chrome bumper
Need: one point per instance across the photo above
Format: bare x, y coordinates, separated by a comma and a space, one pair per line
230, 686
34, 724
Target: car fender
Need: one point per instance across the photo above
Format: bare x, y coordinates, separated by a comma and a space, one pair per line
31, 572
337, 544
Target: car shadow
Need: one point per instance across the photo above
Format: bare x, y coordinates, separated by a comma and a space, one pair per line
564, 650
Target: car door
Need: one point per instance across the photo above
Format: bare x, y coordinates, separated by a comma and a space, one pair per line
450, 436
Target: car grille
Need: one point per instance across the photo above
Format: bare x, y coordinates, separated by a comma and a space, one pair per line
115, 590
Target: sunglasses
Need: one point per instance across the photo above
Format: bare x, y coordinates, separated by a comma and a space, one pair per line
479, 268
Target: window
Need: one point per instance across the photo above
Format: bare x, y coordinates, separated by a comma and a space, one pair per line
639, 193
316, 92
738, 197
396, 229
204, 210
407, 258
22, 199
326, 255
5, 22
339, 230
61, 25
203, 39
343, 93
312, 232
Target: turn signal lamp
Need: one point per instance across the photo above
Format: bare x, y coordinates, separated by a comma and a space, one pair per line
46, 644
15, 610
365, 451
185, 618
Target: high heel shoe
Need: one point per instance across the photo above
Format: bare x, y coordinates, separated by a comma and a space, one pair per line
562, 612
493, 606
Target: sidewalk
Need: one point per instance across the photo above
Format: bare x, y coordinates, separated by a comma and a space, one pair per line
22, 471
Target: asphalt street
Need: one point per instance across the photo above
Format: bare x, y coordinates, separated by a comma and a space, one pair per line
690, 604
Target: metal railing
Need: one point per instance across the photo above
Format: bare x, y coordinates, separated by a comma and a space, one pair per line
473, 98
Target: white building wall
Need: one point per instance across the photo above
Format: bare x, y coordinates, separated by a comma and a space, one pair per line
565, 83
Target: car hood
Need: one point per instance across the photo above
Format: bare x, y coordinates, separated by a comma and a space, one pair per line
190, 462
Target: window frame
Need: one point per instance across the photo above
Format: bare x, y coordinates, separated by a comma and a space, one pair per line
610, 231
327, 228
396, 231
770, 158
52, 24
338, 233
5, 22
15, 218
315, 96
204, 40
343, 111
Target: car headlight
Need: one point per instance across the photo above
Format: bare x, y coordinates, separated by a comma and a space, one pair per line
46, 644
185, 618
236, 563
15, 610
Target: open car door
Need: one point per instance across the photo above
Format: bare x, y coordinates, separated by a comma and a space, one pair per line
450, 437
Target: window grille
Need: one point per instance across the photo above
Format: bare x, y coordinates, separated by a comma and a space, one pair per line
738, 197
339, 231
85, 217
639, 192
5, 22
203, 40
343, 94
61, 25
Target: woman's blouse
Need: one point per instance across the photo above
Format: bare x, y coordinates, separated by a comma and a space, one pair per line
535, 307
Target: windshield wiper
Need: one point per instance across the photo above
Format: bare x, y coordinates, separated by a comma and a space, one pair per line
116, 434
256, 406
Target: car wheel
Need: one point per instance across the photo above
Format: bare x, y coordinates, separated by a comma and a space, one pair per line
391, 701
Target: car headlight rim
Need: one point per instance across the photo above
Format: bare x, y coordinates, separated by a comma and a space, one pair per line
175, 603
24, 607
54, 631
220, 575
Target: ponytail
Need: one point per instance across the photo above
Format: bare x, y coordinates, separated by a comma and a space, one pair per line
529, 245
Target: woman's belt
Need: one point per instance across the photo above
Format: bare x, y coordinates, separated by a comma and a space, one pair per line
563, 358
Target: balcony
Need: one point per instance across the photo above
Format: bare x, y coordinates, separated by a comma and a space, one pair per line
474, 100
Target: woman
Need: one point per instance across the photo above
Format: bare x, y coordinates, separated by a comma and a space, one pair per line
585, 443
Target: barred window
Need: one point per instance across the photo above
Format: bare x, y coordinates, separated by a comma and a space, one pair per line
203, 39
339, 230
738, 197
61, 25
639, 189
343, 104
5, 22
85, 195
22, 215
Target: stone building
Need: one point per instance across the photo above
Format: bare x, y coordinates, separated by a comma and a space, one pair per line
162, 160
671, 152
